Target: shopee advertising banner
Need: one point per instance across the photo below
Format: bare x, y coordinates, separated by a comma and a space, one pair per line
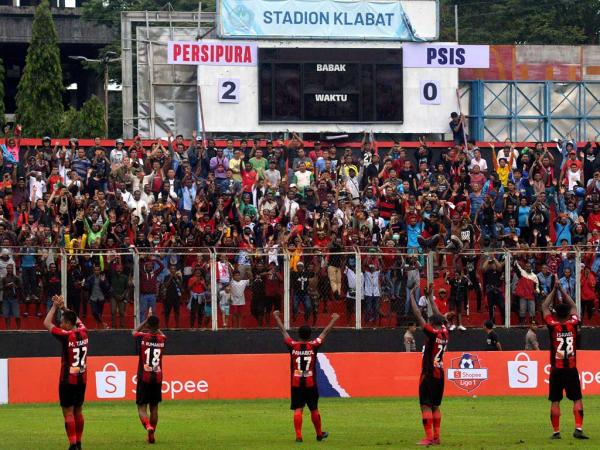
32, 380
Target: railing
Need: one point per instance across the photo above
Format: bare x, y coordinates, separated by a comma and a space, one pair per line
222, 288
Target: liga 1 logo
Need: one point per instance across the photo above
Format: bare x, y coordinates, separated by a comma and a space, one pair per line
466, 372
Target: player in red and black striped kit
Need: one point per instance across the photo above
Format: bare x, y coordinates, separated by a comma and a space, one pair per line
303, 362
72, 334
431, 383
564, 375
151, 347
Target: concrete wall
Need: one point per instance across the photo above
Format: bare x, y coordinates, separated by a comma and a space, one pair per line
15, 27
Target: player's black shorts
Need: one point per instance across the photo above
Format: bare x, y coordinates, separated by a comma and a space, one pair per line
148, 393
431, 390
567, 380
71, 394
303, 396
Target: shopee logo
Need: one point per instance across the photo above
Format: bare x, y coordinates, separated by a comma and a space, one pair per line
174, 387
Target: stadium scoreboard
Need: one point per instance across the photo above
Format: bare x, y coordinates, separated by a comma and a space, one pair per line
332, 85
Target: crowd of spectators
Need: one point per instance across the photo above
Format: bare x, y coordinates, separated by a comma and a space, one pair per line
252, 200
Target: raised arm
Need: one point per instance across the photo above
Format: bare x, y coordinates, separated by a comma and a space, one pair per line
567, 298
415, 308
434, 307
49, 320
548, 300
279, 323
325, 332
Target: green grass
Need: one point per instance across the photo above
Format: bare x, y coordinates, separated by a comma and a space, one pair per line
467, 423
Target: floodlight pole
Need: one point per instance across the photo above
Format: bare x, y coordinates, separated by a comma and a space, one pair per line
456, 23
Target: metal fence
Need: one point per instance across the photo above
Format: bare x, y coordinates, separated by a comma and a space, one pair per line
224, 288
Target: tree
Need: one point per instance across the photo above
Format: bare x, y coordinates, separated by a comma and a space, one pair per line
1, 93
87, 122
548, 22
39, 94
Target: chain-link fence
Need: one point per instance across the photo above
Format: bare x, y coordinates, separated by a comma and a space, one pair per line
241, 287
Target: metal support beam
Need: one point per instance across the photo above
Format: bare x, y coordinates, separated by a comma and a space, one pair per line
359, 290
148, 17
286, 290
507, 278
63, 275
214, 287
578, 281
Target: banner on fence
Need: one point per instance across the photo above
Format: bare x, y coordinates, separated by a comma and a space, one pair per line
339, 375
301, 19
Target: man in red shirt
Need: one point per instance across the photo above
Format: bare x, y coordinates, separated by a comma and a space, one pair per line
72, 334
431, 384
564, 376
303, 374
151, 347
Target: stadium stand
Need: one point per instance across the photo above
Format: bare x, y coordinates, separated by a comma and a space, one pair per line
224, 228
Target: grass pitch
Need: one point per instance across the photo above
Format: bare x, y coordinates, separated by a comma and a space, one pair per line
467, 423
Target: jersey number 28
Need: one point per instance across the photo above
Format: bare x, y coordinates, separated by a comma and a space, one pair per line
565, 347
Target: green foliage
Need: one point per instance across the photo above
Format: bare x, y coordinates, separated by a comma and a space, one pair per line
39, 95
108, 12
549, 22
1, 92
87, 122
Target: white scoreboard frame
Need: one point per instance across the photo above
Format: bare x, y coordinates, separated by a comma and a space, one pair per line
242, 117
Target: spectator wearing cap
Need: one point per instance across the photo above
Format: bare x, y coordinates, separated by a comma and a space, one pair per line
531, 340
118, 153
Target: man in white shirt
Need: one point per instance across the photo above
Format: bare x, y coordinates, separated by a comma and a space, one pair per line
351, 293
479, 161
372, 293
290, 205
117, 154
137, 205
352, 186
272, 175
238, 300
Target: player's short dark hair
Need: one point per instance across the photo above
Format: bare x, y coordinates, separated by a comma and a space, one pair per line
410, 324
454, 115
304, 332
488, 324
153, 322
437, 319
562, 310
69, 316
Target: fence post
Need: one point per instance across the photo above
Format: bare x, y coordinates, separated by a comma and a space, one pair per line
136, 287
430, 264
359, 290
507, 294
578, 280
213, 290
63, 276
286, 290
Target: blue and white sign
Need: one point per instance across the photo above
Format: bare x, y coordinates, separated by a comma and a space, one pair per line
315, 19
446, 56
